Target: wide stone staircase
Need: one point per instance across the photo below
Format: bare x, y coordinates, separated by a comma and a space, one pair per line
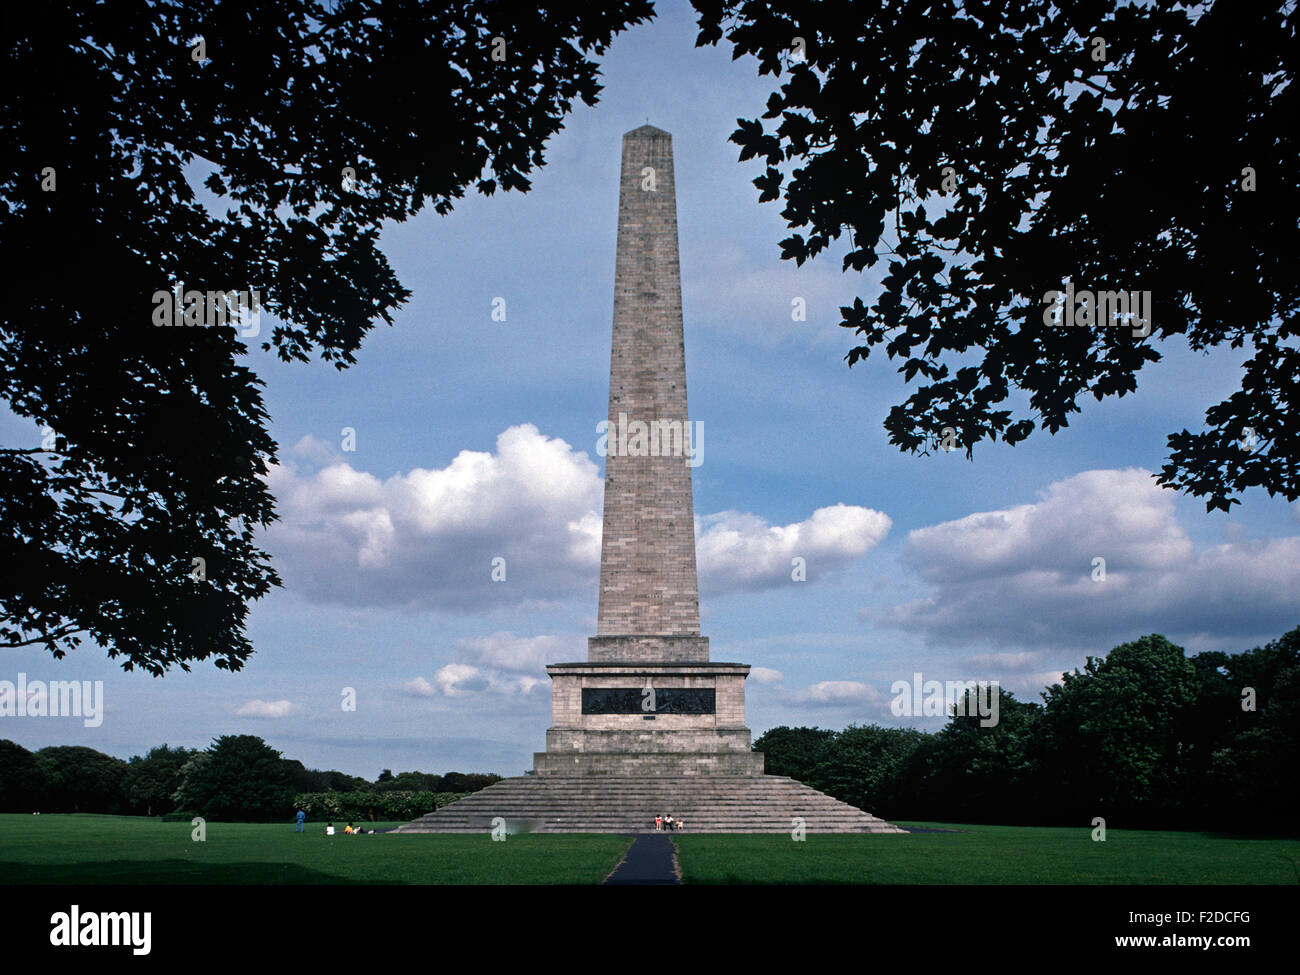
629, 804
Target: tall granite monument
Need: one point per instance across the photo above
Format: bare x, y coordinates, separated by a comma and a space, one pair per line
648, 724
648, 699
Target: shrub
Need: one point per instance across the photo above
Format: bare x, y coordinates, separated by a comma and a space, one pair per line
372, 806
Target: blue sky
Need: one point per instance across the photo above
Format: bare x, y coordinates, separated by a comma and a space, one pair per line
476, 439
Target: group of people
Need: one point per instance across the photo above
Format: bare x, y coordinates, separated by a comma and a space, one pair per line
663, 823
329, 827
349, 829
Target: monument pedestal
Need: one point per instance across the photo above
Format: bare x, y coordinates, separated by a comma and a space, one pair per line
666, 718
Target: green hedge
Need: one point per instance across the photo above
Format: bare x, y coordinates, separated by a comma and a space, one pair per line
371, 806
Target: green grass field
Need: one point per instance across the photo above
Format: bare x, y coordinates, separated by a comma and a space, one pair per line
991, 855
83, 849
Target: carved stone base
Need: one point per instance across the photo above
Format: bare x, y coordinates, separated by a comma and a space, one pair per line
627, 718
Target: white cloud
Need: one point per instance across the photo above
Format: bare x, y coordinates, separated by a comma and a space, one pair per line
1119, 515
526, 684
737, 551
1023, 576
419, 687
523, 654
765, 675
428, 538
266, 709
456, 679
460, 680
837, 692
314, 450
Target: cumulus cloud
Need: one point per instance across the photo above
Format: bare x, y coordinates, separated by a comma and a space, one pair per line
525, 684
834, 693
314, 450
455, 679
419, 687
737, 551
765, 675
1024, 576
461, 680
265, 709
521, 654
428, 539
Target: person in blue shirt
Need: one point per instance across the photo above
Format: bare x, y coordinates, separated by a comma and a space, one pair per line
302, 818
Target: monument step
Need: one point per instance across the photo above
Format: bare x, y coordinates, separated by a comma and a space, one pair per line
628, 804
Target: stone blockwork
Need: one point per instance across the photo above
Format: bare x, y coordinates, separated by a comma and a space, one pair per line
648, 638
647, 649
616, 764
726, 680
629, 804
644, 740
647, 558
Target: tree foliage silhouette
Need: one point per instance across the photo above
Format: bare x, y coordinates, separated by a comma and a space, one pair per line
992, 152
132, 520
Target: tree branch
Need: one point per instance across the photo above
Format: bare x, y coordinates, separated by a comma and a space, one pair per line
55, 635
1096, 87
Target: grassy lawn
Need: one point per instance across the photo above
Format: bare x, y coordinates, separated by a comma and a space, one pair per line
84, 849
990, 855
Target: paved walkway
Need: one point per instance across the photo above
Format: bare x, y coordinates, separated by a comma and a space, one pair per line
649, 861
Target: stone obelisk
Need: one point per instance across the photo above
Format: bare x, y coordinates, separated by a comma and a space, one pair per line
648, 700
648, 724
647, 566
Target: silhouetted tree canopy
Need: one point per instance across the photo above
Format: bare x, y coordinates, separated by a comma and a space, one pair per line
1110, 730
992, 152
315, 780
22, 783
239, 777
311, 123
793, 751
151, 780
81, 779
1141, 736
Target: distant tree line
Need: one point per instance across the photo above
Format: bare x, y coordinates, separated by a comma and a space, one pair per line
238, 777
1144, 736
